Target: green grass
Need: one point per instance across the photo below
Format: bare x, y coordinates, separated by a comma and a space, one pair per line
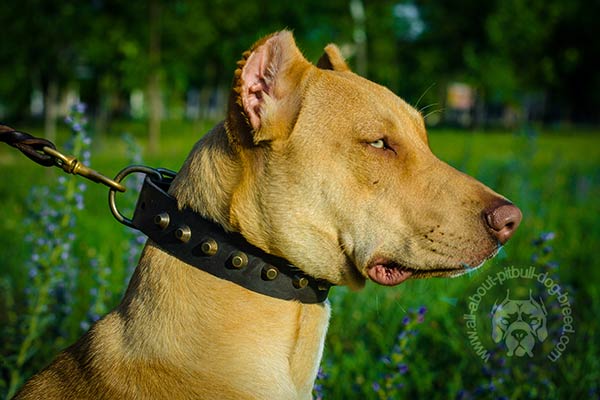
554, 178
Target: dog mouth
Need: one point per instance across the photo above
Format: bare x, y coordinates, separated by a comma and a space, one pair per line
387, 272
390, 273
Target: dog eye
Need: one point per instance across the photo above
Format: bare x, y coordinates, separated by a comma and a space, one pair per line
379, 144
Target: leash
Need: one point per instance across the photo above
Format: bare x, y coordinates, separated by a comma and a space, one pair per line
44, 152
183, 233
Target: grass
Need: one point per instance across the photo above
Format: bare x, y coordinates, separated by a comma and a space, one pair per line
554, 178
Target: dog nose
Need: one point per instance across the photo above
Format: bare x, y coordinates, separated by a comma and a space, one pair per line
503, 220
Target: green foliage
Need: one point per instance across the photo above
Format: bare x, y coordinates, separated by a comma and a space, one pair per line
52, 269
506, 49
44, 314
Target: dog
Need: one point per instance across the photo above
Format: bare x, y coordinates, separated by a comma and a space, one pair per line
519, 323
313, 164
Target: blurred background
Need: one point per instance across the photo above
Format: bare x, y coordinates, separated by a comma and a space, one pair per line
510, 91
476, 64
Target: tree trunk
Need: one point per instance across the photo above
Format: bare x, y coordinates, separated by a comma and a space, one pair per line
357, 9
154, 87
106, 99
51, 110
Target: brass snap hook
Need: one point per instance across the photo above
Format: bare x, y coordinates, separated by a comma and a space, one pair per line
72, 165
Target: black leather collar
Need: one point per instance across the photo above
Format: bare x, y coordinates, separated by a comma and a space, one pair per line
205, 245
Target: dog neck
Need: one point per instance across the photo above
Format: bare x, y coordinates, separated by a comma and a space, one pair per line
218, 180
208, 179
228, 329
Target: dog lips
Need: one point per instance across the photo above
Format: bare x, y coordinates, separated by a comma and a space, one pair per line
388, 275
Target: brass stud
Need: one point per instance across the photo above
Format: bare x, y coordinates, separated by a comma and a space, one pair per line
300, 282
162, 220
269, 273
183, 233
209, 247
239, 260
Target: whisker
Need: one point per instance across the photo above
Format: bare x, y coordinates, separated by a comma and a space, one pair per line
434, 111
427, 106
424, 93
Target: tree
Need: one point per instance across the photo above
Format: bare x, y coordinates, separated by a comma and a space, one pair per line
41, 52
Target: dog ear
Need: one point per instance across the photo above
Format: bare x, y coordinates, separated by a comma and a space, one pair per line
332, 59
264, 97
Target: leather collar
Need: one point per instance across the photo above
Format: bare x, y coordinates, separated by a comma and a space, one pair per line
205, 245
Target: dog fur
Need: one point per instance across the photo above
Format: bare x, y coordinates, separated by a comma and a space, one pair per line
314, 164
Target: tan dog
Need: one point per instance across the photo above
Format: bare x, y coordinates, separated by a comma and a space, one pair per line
314, 164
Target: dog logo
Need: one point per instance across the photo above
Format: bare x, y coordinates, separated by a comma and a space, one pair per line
519, 323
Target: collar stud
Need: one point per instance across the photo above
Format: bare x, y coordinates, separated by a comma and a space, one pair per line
183, 233
269, 273
162, 220
209, 247
300, 282
239, 259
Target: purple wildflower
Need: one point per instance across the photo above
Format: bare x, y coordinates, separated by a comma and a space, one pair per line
547, 236
402, 368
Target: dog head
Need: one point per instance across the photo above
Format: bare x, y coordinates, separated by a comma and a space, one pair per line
334, 173
519, 323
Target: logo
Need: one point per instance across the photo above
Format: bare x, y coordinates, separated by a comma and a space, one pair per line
511, 311
519, 323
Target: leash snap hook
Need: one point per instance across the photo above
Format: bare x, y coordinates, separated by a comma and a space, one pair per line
71, 165
157, 173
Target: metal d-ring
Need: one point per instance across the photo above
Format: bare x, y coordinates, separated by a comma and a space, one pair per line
119, 178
